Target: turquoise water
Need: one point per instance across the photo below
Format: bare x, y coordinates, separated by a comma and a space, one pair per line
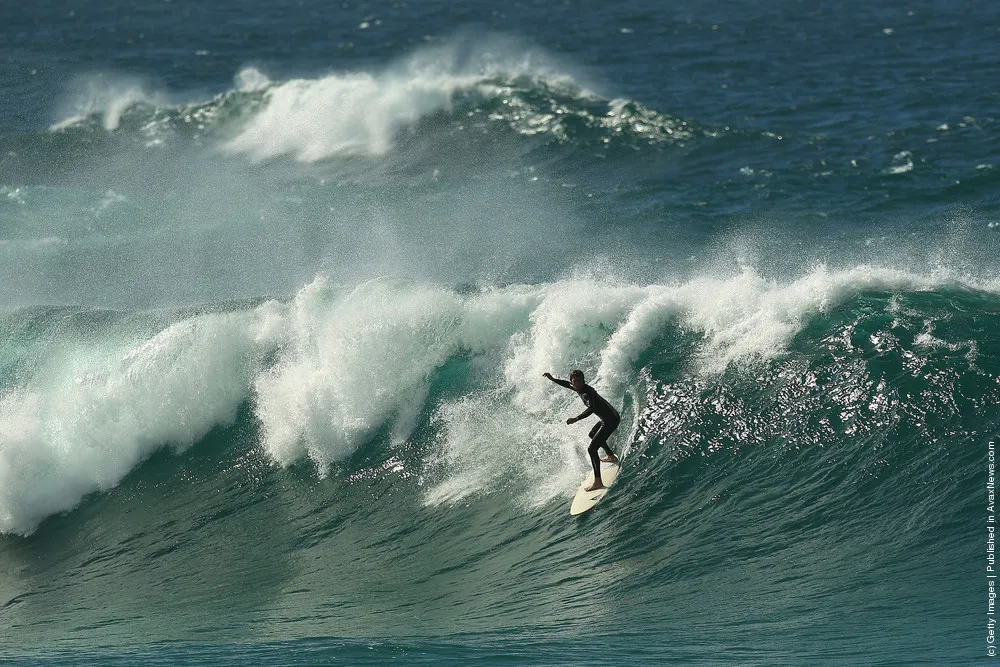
280, 284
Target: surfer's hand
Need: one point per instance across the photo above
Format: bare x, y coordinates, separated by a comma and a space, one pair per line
571, 420
547, 375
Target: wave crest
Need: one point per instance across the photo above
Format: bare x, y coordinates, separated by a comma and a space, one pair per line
87, 399
456, 88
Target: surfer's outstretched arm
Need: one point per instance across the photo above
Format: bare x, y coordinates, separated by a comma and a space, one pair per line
561, 383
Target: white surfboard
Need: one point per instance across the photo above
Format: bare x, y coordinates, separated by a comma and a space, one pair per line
585, 500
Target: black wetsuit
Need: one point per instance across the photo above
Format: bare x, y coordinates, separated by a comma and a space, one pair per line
603, 429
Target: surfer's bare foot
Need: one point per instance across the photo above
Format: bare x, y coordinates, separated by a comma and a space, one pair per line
595, 486
610, 459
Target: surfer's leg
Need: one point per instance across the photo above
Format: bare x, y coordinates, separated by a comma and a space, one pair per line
602, 436
595, 444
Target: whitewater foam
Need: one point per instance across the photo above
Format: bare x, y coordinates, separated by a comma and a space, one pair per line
359, 359
328, 370
364, 112
91, 414
359, 113
345, 114
603, 328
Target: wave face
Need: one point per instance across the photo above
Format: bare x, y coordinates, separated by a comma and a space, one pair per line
391, 432
273, 332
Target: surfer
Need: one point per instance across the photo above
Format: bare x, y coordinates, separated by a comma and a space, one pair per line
596, 405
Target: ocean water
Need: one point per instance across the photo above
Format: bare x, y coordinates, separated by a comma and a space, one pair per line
279, 282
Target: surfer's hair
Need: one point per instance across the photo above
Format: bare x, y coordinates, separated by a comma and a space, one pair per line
577, 373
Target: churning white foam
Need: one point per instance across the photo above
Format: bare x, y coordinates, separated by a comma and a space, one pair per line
88, 417
331, 368
515, 430
360, 112
341, 114
355, 361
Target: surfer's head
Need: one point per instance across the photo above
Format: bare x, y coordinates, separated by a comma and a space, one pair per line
576, 379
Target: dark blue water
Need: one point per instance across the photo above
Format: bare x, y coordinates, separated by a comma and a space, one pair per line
278, 285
